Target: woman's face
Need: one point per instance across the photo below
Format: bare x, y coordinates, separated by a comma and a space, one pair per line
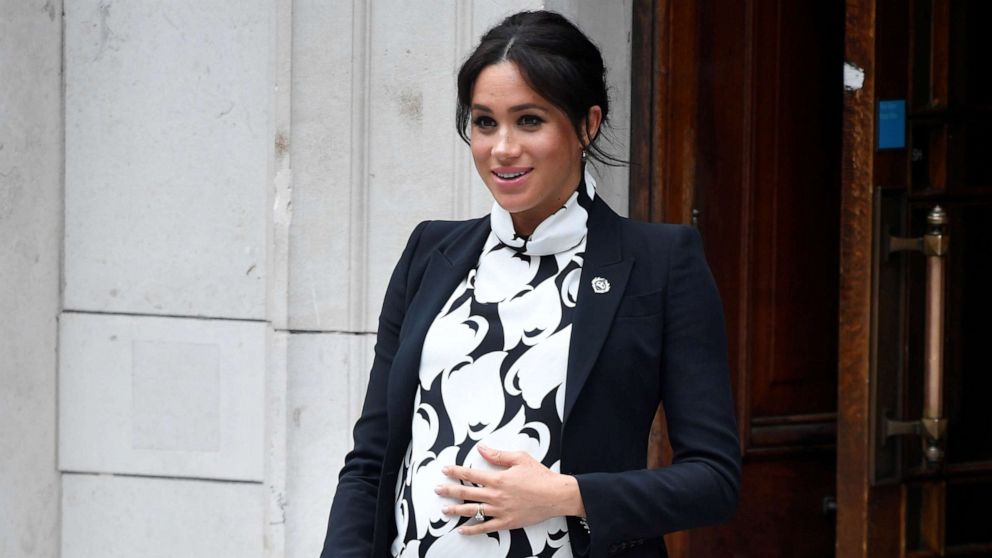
525, 148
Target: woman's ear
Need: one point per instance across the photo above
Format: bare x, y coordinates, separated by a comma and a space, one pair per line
590, 124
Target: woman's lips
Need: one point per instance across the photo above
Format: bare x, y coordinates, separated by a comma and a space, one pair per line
509, 177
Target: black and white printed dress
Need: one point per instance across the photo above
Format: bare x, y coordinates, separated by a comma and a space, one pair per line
492, 371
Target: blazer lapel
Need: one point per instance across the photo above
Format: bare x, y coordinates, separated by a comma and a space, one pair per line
445, 269
603, 263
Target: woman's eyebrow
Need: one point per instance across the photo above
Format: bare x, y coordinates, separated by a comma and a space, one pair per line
514, 108
527, 106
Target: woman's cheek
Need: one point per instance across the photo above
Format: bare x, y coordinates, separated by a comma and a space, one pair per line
481, 150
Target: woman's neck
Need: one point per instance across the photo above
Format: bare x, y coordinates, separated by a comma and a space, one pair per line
550, 232
525, 225
526, 222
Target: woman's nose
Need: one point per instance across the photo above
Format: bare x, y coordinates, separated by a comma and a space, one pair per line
506, 147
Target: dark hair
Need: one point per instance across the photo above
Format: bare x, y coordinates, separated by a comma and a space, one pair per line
555, 59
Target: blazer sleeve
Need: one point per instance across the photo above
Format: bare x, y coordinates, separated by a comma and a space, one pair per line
701, 485
352, 517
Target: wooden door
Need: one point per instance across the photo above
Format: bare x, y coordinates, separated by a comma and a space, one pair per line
737, 128
930, 57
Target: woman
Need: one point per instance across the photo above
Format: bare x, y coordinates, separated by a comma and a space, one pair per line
521, 357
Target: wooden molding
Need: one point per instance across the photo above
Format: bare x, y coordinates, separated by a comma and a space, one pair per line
855, 283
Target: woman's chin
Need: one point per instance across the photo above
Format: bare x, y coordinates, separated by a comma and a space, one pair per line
512, 204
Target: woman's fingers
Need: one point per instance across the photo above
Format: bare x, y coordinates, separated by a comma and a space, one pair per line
462, 492
496, 457
469, 509
504, 458
493, 522
474, 476
524, 493
488, 526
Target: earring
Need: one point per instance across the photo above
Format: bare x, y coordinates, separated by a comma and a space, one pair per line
584, 155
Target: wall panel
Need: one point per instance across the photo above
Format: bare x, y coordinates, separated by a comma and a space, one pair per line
162, 396
325, 389
30, 238
168, 118
124, 517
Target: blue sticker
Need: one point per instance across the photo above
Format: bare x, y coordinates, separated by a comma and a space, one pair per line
892, 124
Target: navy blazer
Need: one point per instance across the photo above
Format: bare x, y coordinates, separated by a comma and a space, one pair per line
656, 335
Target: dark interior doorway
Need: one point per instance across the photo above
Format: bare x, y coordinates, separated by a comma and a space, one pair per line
737, 128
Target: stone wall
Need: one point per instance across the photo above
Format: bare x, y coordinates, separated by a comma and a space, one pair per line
240, 178
30, 237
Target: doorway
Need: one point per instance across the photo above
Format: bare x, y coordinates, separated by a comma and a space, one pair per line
804, 139
744, 141
926, 70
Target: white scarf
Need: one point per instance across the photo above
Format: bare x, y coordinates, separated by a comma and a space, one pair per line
560, 231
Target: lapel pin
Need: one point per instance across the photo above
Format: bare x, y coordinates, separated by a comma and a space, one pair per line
600, 285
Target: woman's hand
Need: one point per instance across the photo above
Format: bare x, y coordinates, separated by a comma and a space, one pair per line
525, 493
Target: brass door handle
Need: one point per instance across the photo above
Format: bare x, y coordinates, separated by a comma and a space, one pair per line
935, 244
932, 427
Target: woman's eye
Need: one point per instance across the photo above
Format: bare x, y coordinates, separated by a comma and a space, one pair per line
530, 120
484, 122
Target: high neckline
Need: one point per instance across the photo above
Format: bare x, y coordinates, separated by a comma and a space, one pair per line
560, 231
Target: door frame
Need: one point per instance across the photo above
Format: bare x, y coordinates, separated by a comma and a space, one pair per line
868, 518
655, 167
662, 186
656, 163
659, 166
